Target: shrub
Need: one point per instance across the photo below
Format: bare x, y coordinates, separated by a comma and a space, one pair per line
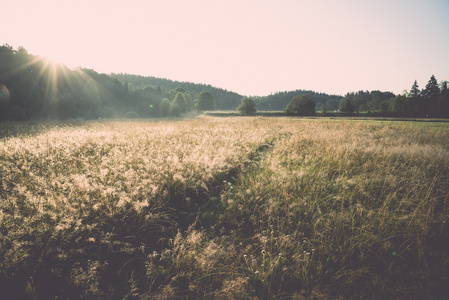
301, 106
247, 107
174, 110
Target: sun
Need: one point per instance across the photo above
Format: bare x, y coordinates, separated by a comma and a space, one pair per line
56, 56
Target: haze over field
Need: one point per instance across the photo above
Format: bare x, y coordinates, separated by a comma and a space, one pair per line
250, 47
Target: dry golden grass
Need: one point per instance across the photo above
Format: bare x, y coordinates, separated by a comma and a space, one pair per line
229, 208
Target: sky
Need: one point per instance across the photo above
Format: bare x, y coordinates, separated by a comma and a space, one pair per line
252, 47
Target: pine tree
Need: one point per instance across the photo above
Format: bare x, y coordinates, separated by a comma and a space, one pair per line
415, 100
414, 91
444, 100
430, 97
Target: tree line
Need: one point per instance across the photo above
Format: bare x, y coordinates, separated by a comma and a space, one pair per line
224, 99
32, 88
432, 101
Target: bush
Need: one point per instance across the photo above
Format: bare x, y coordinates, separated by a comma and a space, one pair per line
205, 101
301, 106
248, 107
347, 107
174, 110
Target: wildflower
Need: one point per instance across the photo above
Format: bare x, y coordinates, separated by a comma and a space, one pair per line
263, 251
245, 256
257, 272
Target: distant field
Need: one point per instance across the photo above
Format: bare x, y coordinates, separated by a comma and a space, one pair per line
224, 208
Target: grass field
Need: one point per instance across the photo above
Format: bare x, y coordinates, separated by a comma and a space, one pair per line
224, 208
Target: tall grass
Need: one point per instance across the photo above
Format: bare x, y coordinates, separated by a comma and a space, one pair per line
225, 208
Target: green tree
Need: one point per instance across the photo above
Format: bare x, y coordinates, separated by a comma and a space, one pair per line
180, 90
247, 107
301, 105
443, 101
347, 107
205, 101
415, 99
415, 91
189, 101
174, 110
400, 105
181, 101
430, 96
165, 106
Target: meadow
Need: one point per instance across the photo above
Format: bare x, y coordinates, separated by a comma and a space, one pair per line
224, 208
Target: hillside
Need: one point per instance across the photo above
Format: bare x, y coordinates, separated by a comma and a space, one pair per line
280, 100
224, 99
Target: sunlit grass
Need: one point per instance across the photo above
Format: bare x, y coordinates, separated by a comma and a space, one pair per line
224, 208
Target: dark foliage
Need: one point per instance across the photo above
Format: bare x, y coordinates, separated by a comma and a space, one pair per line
301, 106
280, 100
32, 88
224, 99
247, 107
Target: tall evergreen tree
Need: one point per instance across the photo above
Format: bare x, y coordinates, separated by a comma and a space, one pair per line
415, 100
444, 100
415, 91
430, 97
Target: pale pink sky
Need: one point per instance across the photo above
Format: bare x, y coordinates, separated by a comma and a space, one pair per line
253, 47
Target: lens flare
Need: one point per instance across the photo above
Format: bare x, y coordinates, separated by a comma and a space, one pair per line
4, 94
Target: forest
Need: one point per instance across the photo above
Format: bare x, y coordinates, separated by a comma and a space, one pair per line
32, 88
